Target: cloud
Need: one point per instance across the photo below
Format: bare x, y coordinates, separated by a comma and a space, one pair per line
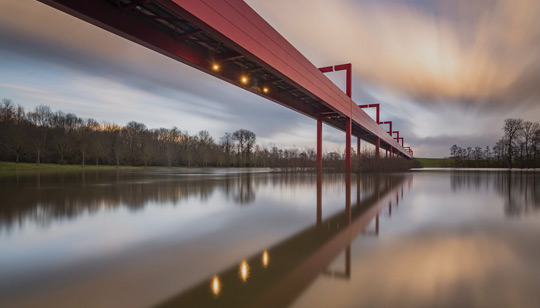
452, 52
23, 88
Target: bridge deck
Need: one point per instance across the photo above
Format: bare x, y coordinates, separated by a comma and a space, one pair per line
201, 33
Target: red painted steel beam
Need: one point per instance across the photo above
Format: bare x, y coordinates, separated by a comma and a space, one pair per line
390, 124
373, 106
326, 69
348, 68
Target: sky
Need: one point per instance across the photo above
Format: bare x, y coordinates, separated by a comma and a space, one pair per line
444, 71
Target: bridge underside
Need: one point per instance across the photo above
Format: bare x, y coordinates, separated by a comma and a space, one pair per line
231, 35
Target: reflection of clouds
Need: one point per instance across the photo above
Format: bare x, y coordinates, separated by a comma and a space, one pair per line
434, 269
429, 265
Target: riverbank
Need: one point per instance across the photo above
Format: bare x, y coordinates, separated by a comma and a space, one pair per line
368, 166
435, 162
10, 168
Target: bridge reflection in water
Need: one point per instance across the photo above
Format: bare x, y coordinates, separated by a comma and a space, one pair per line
277, 276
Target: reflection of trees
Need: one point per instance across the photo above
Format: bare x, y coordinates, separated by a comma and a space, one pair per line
244, 192
518, 188
44, 198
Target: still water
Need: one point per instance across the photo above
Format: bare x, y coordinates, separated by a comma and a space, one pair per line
224, 238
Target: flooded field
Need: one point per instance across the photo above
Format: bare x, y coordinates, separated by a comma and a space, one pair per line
251, 238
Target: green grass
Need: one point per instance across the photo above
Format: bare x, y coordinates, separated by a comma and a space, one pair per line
435, 162
8, 168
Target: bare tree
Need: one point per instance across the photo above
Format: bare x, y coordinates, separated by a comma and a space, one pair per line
528, 130
512, 128
135, 140
536, 145
7, 110
246, 141
41, 118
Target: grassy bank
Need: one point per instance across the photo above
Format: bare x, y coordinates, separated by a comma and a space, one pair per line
8, 168
435, 162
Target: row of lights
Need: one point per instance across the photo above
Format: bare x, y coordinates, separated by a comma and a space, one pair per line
243, 79
243, 272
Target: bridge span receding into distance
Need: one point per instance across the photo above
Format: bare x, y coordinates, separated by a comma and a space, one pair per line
229, 40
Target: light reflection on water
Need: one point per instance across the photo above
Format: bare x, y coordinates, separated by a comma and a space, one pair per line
269, 240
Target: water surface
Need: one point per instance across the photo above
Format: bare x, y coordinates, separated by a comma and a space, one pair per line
229, 238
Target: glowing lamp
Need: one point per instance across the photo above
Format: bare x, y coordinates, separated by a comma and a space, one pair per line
265, 258
216, 285
244, 270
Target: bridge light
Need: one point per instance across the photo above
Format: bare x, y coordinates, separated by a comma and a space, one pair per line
216, 285
244, 79
265, 90
244, 270
215, 67
265, 258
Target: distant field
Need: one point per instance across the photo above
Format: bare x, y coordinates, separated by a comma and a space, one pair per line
8, 168
434, 162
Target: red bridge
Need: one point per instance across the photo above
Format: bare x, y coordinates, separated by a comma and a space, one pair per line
229, 40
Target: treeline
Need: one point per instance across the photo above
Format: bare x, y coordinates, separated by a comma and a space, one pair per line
519, 147
46, 136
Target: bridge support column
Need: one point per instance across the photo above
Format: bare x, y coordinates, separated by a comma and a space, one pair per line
348, 129
358, 141
319, 145
377, 147
391, 152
